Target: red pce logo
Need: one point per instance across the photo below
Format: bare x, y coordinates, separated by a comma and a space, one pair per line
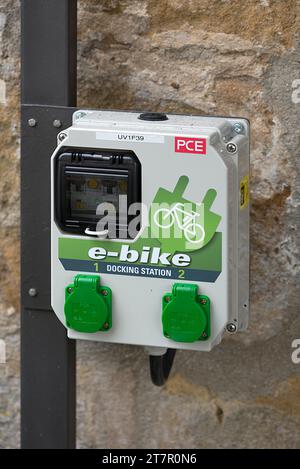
190, 145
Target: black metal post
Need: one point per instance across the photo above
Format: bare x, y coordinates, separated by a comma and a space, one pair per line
47, 357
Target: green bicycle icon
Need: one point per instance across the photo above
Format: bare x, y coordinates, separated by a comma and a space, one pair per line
181, 224
185, 220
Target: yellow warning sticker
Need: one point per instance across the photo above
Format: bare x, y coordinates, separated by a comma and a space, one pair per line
244, 192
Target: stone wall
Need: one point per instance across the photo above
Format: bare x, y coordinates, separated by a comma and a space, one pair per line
211, 57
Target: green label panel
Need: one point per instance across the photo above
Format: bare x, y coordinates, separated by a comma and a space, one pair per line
205, 264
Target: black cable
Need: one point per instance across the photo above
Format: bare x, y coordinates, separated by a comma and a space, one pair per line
160, 366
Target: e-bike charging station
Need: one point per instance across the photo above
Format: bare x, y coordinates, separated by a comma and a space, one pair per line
149, 223
180, 280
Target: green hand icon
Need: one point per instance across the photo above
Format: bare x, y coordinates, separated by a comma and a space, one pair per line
180, 224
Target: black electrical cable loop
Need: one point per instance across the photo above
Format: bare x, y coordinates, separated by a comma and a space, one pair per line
160, 366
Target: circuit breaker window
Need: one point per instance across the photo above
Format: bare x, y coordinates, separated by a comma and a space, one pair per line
91, 185
85, 193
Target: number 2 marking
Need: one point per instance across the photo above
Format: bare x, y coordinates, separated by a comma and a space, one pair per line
181, 273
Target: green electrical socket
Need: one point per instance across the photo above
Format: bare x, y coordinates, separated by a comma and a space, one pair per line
88, 305
186, 315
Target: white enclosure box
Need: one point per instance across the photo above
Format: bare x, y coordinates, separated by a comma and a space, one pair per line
191, 176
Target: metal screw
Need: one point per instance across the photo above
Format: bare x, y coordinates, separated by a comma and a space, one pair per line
203, 301
204, 335
32, 122
79, 115
62, 136
168, 299
70, 289
32, 292
231, 328
57, 123
231, 147
105, 325
104, 292
238, 128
